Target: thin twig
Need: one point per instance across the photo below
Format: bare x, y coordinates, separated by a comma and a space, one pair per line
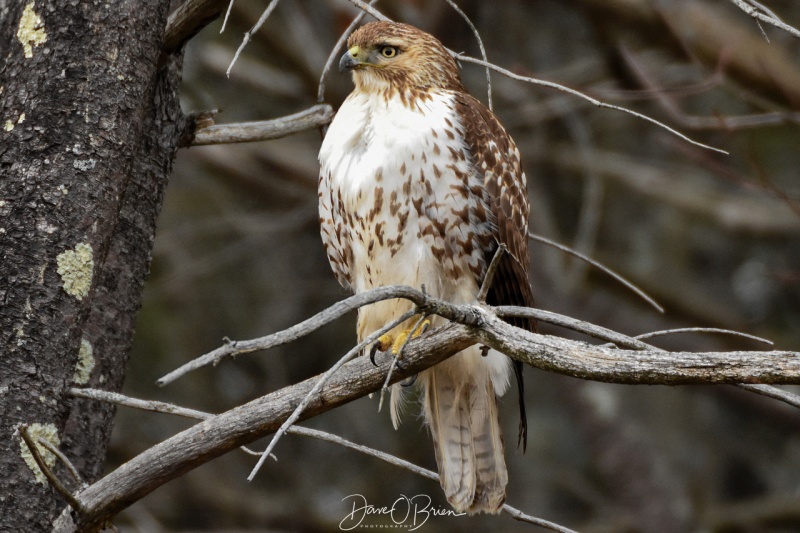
767, 17
63, 458
480, 45
318, 385
461, 314
587, 328
264, 16
370, 10
765, 9
227, 14
491, 271
593, 101
335, 51
54, 481
772, 392
618, 277
411, 467
703, 330
147, 405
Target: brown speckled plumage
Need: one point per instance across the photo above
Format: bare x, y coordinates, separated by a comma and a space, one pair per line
419, 183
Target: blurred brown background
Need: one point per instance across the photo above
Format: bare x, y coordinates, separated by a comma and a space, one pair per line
714, 238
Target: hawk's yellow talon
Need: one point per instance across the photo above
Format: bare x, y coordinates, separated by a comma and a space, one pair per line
402, 338
422, 328
384, 342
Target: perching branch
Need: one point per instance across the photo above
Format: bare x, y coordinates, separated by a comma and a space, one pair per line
469, 325
241, 425
231, 348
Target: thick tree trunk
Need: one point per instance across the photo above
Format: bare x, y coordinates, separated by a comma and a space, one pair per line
90, 124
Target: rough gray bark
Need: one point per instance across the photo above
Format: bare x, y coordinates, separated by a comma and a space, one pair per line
90, 125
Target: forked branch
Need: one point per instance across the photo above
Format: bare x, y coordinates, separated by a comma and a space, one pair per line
470, 324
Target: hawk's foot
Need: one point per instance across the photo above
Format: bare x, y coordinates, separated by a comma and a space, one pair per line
394, 343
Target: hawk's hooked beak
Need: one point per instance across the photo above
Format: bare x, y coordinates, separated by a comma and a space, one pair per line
351, 59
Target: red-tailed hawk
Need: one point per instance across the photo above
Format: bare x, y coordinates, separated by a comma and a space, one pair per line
419, 184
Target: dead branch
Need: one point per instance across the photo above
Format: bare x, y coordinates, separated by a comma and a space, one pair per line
595, 102
166, 408
760, 13
263, 130
482, 49
566, 249
335, 51
189, 18
239, 426
470, 325
33, 447
247, 36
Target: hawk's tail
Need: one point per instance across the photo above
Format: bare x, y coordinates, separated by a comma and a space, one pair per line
461, 409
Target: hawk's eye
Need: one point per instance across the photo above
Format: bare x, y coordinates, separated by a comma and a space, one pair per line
389, 51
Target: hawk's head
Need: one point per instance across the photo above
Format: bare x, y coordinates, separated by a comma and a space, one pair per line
392, 55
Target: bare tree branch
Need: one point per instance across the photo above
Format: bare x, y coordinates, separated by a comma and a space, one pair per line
772, 392
335, 51
263, 130
652, 334
166, 408
357, 378
220, 434
246, 39
371, 10
643, 295
593, 101
230, 348
33, 447
482, 48
764, 15
189, 18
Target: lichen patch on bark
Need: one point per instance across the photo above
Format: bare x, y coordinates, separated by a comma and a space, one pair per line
37, 431
76, 268
31, 30
83, 370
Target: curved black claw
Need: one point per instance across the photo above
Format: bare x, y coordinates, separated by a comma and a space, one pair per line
410, 381
373, 351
